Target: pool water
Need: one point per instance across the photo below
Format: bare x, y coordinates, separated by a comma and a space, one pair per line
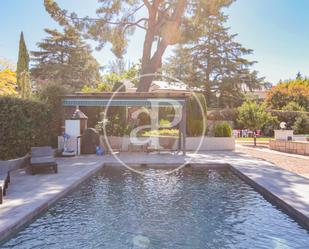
193, 208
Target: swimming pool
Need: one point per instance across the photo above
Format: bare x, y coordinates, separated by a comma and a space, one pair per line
193, 208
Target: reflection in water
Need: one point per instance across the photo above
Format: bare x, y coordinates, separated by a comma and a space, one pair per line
191, 209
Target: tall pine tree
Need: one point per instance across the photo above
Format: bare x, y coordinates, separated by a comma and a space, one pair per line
164, 22
217, 62
65, 59
23, 60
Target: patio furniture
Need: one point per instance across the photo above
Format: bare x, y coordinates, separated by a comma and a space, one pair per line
42, 158
4, 181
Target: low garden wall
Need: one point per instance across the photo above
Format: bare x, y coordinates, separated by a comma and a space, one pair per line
295, 147
192, 143
17, 163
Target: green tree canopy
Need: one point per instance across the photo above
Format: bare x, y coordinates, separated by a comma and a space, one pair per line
215, 61
23, 59
66, 59
296, 91
254, 115
165, 23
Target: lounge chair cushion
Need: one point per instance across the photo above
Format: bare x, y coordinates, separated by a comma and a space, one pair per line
41, 151
4, 172
42, 160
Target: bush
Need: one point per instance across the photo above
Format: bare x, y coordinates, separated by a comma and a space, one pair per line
195, 121
301, 125
288, 116
164, 123
223, 130
253, 115
294, 107
163, 132
23, 124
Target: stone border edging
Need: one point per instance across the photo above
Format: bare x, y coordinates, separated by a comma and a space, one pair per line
299, 217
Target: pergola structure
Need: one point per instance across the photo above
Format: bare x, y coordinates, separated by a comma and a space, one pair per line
134, 99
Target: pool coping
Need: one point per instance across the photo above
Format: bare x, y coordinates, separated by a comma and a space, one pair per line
246, 169
7, 232
271, 197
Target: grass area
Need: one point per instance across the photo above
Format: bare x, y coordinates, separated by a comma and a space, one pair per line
251, 139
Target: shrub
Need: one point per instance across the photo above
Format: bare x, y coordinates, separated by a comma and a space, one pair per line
165, 123
163, 132
101, 87
23, 124
118, 111
288, 116
254, 115
195, 121
293, 106
301, 125
223, 130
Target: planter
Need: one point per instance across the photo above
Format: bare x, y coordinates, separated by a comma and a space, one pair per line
171, 143
114, 142
210, 144
168, 142
284, 135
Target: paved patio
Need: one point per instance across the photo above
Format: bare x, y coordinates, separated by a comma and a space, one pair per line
297, 164
29, 195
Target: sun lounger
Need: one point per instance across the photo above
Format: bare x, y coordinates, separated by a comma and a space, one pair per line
4, 181
42, 158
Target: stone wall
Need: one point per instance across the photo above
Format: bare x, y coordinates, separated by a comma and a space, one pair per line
295, 147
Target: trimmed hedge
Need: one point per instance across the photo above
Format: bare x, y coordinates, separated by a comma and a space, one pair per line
23, 123
223, 130
196, 107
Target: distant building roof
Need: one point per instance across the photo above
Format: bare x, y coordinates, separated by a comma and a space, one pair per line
255, 93
163, 86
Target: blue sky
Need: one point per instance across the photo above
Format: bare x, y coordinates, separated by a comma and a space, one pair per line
277, 31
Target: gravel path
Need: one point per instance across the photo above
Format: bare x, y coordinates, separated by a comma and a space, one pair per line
295, 164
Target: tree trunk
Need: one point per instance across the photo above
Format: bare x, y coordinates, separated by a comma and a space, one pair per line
150, 67
151, 63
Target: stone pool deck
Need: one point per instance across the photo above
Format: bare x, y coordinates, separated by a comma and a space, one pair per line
28, 195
